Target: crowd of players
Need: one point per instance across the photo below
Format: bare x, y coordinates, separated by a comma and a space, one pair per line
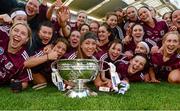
32, 35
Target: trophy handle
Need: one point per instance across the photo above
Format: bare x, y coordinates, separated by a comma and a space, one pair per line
53, 68
56, 78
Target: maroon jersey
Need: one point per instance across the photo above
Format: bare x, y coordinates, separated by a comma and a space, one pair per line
154, 35
122, 70
12, 65
105, 47
131, 46
164, 68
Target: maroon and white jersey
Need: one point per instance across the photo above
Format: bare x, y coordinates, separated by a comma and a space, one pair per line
12, 65
74, 56
122, 70
69, 53
107, 59
164, 68
99, 54
153, 36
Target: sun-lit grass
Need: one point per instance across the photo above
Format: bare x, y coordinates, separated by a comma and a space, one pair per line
140, 96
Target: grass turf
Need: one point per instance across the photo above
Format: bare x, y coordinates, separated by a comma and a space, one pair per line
141, 96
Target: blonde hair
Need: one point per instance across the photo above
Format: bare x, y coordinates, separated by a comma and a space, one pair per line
172, 32
28, 28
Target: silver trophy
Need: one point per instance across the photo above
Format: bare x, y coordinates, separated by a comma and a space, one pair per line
77, 71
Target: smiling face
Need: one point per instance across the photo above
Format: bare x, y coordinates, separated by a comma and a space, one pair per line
176, 18
132, 13
88, 47
171, 44
140, 48
167, 18
145, 15
81, 18
137, 33
112, 21
45, 34
18, 36
74, 39
136, 64
115, 51
103, 34
32, 7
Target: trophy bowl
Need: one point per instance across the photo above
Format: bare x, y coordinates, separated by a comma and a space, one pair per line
77, 71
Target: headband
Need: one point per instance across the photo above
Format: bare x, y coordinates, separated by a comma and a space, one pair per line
19, 12
146, 46
89, 35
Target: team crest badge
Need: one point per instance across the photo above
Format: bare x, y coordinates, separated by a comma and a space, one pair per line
9, 65
162, 32
1, 50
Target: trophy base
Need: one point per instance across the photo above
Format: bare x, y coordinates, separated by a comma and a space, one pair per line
73, 93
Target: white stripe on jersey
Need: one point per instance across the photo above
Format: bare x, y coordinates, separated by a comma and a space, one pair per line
103, 57
73, 56
151, 42
5, 29
26, 56
142, 76
122, 60
40, 53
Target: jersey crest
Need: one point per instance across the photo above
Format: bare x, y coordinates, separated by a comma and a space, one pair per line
1, 50
9, 65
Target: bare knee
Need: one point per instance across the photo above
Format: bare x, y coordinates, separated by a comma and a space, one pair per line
174, 76
39, 78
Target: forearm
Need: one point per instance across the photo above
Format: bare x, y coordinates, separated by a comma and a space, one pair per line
50, 12
35, 61
66, 31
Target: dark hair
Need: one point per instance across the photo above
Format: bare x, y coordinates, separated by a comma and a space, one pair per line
106, 26
135, 25
94, 21
116, 41
62, 40
83, 25
144, 7
165, 14
110, 14
118, 9
45, 23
